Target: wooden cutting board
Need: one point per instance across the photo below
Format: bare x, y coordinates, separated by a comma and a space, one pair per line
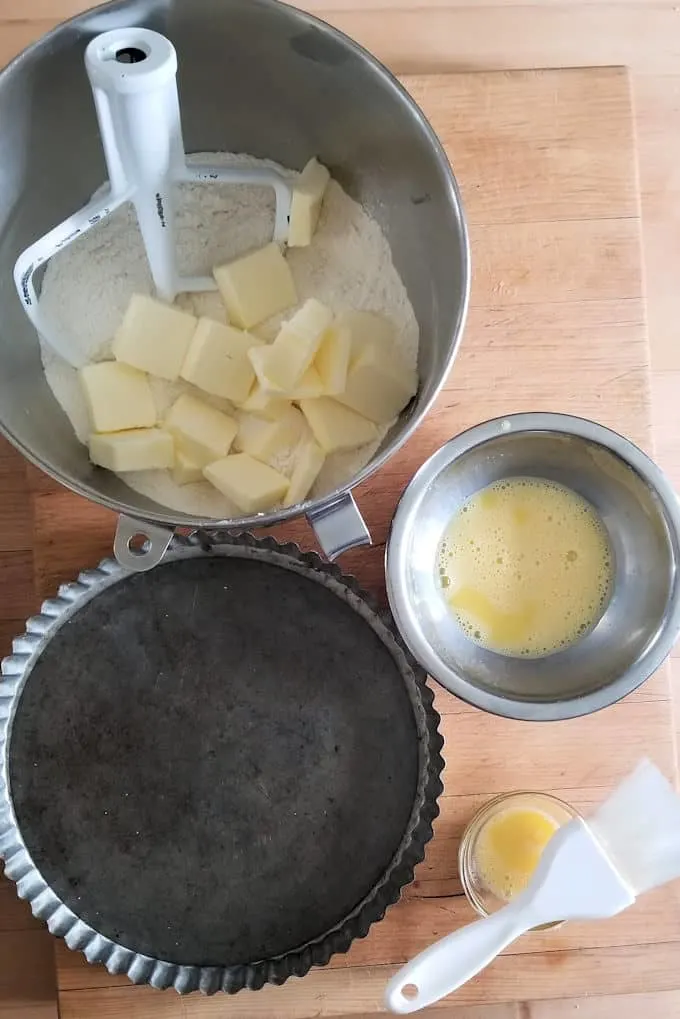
547, 165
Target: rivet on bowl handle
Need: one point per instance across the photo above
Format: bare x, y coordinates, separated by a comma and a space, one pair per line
339, 526
139, 545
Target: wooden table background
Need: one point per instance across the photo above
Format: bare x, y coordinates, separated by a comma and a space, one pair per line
410, 37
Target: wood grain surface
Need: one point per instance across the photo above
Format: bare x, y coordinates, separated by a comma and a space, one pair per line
570, 272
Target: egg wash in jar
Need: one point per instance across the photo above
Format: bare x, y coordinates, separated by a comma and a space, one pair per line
525, 566
503, 843
509, 847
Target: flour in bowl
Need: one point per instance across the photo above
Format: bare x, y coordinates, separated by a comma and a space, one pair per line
87, 287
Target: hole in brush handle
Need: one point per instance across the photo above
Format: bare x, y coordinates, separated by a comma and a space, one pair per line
403, 998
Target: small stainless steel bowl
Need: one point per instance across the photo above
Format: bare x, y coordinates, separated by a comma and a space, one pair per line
642, 515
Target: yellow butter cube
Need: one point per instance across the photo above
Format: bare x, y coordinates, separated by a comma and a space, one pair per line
366, 328
201, 432
308, 463
154, 337
259, 358
378, 387
267, 330
266, 393
308, 387
305, 205
256, 286
118, 397
217, 361
185, 471
379, 383
264, 402
265, 439
332, 359
337, 428
251, 485
293, 350
142, 449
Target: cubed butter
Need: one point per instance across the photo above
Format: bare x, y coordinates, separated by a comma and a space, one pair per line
379, 382
366, 328
118, 397
293, 350
259, 358
185, 471
332, 359
309, 322
217, 361
265, 439
202, 433
263, 402
308, 387
305, 205
378, 386
251, 485
337, 428
154, 337
256, 286
308, 463
266, 331
142, 449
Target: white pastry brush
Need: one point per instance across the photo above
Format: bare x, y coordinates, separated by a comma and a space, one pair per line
589, 870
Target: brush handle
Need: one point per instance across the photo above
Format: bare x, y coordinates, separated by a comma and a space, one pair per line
447, 964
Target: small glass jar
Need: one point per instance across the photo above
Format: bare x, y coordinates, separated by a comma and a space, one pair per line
482, 898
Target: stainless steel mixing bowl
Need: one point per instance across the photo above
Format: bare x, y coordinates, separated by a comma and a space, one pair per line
254, 76
642, 515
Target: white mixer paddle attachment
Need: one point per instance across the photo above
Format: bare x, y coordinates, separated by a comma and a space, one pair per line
133, 74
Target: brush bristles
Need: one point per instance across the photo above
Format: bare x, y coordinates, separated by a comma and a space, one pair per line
639, 827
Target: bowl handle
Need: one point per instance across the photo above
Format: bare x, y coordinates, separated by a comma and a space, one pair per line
339, 526
138, 545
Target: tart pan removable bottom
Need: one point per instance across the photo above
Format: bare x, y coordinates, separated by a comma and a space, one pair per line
221, 771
